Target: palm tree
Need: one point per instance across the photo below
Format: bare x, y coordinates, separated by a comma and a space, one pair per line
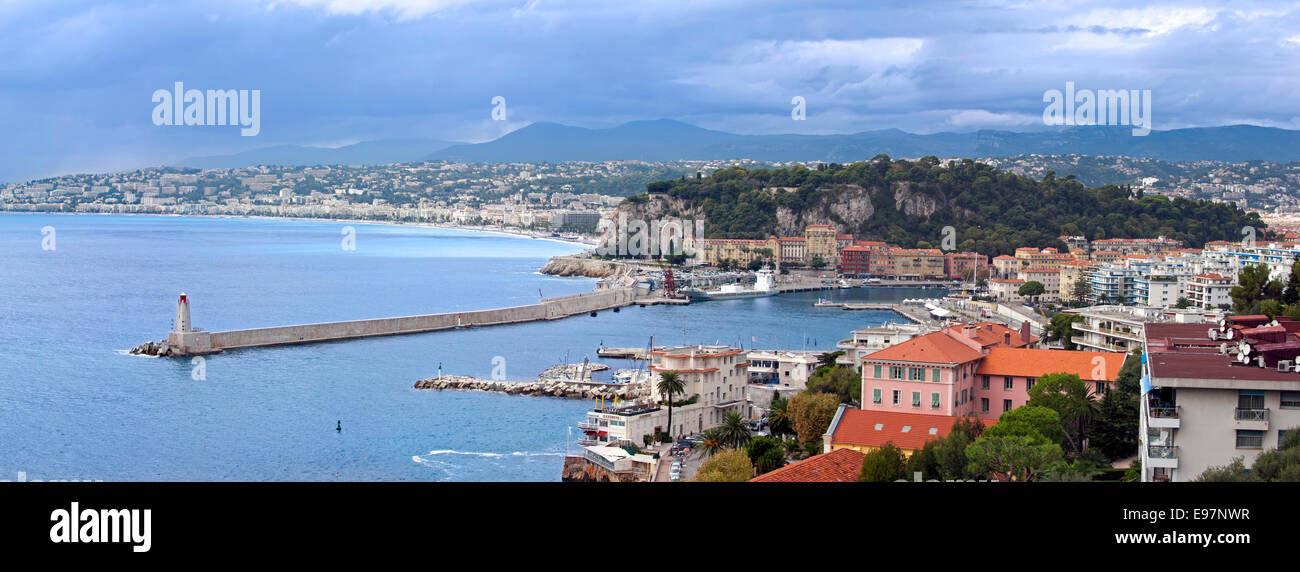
713, 441
777, 420
734, 431
670, 384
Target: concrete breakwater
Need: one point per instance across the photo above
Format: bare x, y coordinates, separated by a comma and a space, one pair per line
567, 388
185, 341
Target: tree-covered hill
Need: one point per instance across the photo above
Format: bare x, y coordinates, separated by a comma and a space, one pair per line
910, 202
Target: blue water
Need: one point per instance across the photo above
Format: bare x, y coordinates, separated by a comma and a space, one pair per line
73, 405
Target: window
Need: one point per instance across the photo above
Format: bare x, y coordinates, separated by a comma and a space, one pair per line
964, 397
1250, 399
898, 397
984, 404
1008, 384
984, 382
1101, 388
916, 399
934, 375
1006, 405
878, 368
1029, 383
1291, 399
1250, 439
915, 374
895, 372
934, 401
875, 395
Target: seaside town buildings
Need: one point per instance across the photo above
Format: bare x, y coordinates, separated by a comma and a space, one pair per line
1212, 394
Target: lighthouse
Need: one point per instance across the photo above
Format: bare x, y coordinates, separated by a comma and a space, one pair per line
183, 313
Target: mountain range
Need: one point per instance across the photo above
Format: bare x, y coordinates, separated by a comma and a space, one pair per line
669, 140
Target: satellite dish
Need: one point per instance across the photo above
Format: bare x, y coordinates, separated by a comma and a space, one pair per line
1223, 348
1243, 348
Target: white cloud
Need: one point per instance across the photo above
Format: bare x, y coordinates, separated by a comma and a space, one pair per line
404, 9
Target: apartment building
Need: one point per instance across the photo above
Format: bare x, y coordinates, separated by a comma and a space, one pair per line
785, 368
1213, 394
1117, 328
867, 340
820, 242
1112, 284
1159, 290
1209, 290
714, 376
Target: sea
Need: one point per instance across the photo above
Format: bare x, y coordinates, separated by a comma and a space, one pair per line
77, 291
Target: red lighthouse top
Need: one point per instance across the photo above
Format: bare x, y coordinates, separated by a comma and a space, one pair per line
183, 298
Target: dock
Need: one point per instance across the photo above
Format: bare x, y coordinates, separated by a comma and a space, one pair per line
187, 341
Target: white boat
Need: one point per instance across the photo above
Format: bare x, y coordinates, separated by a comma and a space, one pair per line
764, 285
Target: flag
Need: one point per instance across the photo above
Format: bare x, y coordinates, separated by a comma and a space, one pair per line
1146, 383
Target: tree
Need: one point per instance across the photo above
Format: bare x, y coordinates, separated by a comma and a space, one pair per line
770, 461
1275, 465
1291, 295
1068, 395
1114, 430
1080, 290
759, 448
729, 466
883, 465
817, 262
1029, 421
712, 441
778, 422
811, 414
1183, 303
1060, 328
1253, 285
1014, 458
945, 458
734, 431
843, 381
1031, 289
670, 384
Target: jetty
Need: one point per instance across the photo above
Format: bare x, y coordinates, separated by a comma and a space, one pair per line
566, 388
188, 341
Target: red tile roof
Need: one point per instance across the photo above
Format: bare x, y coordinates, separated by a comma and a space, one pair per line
1026, 362
859, 427
935, 347
838, 466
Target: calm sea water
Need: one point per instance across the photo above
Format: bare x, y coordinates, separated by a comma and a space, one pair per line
73, 405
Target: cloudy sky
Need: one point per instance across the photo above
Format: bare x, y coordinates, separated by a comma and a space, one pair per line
76, 77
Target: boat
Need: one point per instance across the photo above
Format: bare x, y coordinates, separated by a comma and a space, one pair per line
764, 285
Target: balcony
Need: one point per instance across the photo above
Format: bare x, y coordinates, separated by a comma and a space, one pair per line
588, 426
1252, 419
1162, 456
1164, 417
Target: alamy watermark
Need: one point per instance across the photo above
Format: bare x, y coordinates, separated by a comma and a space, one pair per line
214, 107
1101, 107
653, 237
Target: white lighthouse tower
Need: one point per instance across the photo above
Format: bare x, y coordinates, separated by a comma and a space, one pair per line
183, 314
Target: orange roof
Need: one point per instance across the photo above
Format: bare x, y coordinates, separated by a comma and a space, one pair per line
934, 347
838, 466
989, 334
1026, 362
907, 431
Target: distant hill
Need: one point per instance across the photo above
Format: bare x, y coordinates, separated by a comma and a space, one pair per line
912, 203
377, 152
668, 140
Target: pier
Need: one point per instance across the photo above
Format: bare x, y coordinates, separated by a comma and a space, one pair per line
186, 341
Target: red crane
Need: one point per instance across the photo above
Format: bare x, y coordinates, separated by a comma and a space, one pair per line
670, 287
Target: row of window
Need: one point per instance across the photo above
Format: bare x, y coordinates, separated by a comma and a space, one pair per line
897, 398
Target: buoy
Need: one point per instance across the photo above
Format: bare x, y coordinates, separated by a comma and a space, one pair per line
615, 310
339, 428
593, 314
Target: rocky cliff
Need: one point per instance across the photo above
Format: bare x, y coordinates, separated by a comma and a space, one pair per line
587, 267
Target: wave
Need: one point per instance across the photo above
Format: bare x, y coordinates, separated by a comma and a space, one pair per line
128, 353
484, 454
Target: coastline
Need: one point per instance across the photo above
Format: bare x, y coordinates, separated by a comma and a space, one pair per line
521, 233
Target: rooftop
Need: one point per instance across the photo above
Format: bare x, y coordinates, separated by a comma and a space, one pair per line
909, 431
1026, 362
838, 466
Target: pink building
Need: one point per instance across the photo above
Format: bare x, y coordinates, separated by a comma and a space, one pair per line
979, 370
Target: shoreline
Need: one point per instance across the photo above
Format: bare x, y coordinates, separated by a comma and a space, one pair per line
521, 233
